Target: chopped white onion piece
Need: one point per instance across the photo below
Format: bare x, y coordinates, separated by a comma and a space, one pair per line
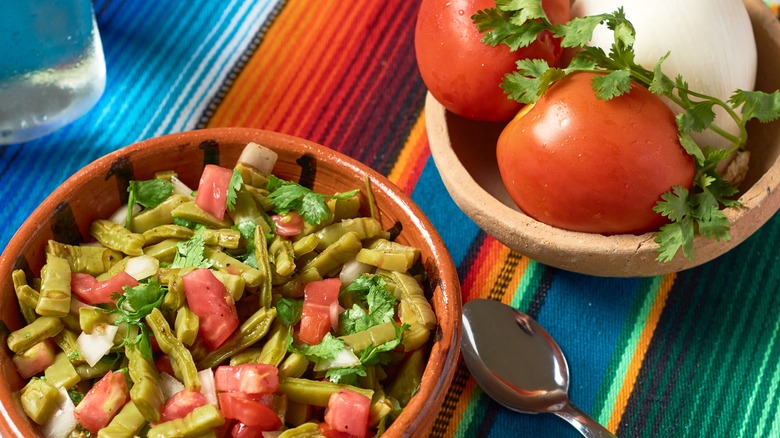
120, 215
94, 346
344, 358
207, 386
63, 421
259, 157
179, 188
170, 386
142, 266
352, 270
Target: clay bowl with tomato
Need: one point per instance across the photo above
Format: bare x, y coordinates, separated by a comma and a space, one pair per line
464, 150
98, 190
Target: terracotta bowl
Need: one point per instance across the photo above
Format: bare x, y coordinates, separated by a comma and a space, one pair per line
464, 152
100, 188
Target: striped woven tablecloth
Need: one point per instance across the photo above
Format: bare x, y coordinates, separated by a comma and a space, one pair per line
694, 354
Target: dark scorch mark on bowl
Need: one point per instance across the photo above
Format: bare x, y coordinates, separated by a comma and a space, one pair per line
210, 150
122, 169
22, 263
308, 170
64, 228
395, 230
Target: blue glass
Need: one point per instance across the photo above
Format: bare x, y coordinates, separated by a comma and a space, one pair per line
52, 69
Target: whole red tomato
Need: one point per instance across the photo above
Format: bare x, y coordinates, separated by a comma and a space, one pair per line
461, 71
581, 163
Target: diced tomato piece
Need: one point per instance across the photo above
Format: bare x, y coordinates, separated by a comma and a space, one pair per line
163, 364
208, 298
290, 224
241, 430
34, 360
213, 190
348, 411
93, 292
102, 402
81, 284
330, 432
181, 404
247, 378
318, 297
247, 410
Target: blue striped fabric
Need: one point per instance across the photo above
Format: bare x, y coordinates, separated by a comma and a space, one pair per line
710, 346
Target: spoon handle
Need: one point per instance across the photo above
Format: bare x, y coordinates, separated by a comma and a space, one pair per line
581, 421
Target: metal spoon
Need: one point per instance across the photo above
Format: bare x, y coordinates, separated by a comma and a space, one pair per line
519, 365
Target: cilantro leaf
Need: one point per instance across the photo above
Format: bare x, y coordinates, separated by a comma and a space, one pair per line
688, 143
755, 104
579, 31
328, 348
313, 208
149, 194
289, 311
697, 117
347, 375
495, 24
75, 395
374, 354
674, 205
236, 182
661, 85
370, 291
186, 223
526, 84
143, 298
247, 230
132, 306
526, 9
673, 237
612, 85
190, 252
289, 196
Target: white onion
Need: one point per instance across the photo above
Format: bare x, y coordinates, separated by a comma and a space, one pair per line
63, 421
120, 215
344, 358
259, 157
711, 43
207, 386
179, 188
170, 385
141, 267
352, 270
95, 345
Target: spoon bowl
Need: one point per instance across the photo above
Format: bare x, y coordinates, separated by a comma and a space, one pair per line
519, 365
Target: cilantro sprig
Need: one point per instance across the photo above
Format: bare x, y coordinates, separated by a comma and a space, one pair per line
149, 194
132, 306
289, 196
517, 23
234, 186
371, 292
191, 252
